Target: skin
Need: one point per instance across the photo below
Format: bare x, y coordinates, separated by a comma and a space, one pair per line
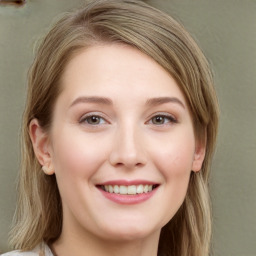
133, 136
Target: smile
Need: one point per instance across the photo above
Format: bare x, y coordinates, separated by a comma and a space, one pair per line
128, 190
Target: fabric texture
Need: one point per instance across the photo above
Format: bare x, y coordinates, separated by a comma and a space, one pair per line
40, 250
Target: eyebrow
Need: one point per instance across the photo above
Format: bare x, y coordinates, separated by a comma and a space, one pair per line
106, 101
162, 100
92, 99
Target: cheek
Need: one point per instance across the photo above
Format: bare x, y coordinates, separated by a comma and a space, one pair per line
175, 167
174, 159
77, 155
174, 164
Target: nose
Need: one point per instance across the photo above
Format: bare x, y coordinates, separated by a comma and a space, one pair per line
128, 149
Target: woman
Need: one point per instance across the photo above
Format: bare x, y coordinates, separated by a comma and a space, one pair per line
118, 135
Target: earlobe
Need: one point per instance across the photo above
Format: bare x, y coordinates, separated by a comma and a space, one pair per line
41, 146
199, 156
48, 170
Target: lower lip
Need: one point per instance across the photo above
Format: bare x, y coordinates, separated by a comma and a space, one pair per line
128, 199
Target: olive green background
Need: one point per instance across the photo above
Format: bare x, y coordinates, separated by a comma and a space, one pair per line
226, 31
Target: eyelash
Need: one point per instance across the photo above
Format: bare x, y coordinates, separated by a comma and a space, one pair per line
167, 119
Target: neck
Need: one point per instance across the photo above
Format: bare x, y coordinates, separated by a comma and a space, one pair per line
88, 244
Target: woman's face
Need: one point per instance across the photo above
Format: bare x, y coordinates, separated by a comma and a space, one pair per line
122, 144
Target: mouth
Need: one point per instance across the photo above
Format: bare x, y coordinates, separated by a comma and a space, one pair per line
128, 190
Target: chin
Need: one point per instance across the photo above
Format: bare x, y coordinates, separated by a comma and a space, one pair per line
128, 233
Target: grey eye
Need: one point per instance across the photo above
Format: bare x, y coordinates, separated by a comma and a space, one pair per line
162, 119
93, 119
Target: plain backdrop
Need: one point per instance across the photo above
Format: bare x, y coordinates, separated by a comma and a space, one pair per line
226, 31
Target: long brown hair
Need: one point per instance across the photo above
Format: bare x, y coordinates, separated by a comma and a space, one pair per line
38, 215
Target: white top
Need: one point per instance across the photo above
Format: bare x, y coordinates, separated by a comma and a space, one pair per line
40, 250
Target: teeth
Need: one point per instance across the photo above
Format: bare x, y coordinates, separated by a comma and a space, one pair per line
140, 189
128, 190
110, 189
132, 190
116, 189
123, 190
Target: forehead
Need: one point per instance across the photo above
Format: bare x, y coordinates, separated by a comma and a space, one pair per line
117, 70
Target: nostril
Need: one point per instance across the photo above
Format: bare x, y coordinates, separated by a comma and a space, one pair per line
129, 165
119, 164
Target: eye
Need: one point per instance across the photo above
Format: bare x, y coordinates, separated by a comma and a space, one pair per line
93, 120
162, 119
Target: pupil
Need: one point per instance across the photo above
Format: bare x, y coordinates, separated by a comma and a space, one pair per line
159, 119
94, 119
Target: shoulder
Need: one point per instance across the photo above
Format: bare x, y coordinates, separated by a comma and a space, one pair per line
19, 253
35, 252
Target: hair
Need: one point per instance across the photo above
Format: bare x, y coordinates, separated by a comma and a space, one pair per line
38, 215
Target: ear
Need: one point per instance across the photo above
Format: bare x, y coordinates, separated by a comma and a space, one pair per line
41, 145
199, 155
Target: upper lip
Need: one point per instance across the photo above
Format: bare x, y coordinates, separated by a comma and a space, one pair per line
128, 182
